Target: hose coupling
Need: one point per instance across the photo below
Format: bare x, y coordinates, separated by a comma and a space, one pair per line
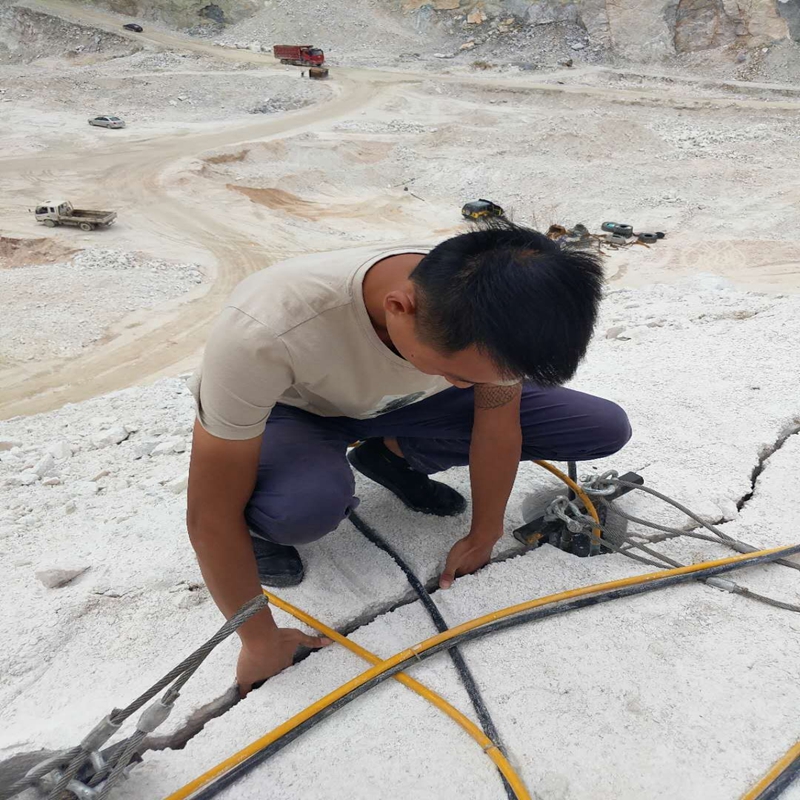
721, 583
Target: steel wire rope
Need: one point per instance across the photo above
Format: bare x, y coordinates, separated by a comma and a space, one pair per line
737, 545
77, 757
733, 588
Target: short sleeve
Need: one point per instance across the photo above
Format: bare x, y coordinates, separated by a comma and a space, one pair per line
245, 369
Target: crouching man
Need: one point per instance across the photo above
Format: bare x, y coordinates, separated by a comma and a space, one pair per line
431, 357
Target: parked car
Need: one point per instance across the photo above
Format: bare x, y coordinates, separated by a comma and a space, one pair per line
107, 122
132, 26
481, 208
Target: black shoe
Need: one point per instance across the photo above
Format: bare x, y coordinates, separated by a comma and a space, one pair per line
374, 460
278, 564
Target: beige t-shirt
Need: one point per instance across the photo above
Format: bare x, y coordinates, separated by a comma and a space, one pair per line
298, 333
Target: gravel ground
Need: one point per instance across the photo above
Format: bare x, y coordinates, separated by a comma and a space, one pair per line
174, 89
57, 310
363, 31
706, 177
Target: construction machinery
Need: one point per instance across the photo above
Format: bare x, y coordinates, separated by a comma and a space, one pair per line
477, 209
300, 55
555, 518
318, 73
617, 228
62, 213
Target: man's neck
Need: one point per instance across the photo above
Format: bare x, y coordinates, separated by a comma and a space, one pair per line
381, 278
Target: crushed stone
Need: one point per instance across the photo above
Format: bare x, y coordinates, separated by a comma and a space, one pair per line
57, 310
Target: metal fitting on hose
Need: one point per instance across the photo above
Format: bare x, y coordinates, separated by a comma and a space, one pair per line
722, 583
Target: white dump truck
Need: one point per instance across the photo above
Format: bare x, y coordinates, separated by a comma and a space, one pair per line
62, 213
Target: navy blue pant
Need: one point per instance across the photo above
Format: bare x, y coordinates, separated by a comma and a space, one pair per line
305, 484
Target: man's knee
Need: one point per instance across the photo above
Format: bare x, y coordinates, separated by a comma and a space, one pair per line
613, 429
301, 517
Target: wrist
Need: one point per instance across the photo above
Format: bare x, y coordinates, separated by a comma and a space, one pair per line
487, 535
259, 633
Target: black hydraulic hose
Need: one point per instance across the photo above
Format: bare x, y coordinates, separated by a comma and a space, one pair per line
781, 782
464, 672
572, 472
213, 788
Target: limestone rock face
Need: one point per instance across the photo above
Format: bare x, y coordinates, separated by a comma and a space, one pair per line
642, 30
790, 12
26, 34
702, 24
184, 13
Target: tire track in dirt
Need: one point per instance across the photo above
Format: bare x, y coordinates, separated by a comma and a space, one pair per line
134, 177
135, 171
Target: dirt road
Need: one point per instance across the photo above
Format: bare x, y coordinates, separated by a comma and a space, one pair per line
133, 177
130, 173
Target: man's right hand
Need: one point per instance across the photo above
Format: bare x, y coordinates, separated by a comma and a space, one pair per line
272, 655
222, 474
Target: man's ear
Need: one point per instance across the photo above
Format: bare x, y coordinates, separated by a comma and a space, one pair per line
400, 301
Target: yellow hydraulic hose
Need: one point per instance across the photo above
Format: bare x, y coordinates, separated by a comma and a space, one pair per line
777, 768
487, 745
578, 491
427, 644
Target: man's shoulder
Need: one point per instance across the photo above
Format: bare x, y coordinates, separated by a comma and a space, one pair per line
296, 290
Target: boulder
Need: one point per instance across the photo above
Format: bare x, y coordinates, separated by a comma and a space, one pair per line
58, 577
109, 436
60, 450
179, 484
176, 445
44, 465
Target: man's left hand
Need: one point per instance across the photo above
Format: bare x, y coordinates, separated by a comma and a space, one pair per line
467, 555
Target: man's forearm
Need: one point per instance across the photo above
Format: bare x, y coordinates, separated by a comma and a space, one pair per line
493, 463
225, 555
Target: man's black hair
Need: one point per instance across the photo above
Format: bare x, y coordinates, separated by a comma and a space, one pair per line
523, 300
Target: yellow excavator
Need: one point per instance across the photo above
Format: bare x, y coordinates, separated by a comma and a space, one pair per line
476, 209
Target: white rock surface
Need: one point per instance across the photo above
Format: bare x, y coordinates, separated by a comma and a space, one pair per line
684, 693
75, 301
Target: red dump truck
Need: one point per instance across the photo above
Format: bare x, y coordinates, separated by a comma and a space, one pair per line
301, 55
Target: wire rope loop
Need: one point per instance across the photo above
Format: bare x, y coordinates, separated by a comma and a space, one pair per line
600, 485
